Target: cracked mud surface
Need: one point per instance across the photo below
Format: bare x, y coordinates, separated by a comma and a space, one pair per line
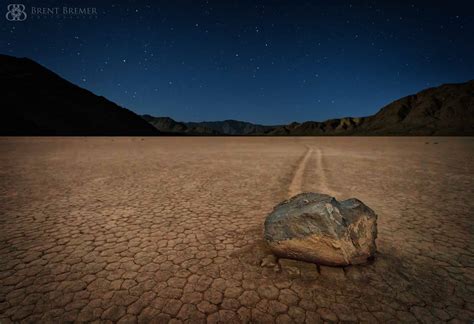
170, 230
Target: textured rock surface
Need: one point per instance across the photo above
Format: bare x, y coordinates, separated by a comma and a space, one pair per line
317, 228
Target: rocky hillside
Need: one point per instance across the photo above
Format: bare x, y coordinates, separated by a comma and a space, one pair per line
36, 101
444, 110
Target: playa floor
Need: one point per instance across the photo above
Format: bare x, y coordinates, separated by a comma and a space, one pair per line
169, 229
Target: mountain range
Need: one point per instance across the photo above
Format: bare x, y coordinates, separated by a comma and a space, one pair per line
36, 101
444, 110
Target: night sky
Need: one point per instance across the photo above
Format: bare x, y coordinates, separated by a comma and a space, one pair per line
267, 62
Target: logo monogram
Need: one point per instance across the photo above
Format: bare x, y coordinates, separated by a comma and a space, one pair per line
16, 12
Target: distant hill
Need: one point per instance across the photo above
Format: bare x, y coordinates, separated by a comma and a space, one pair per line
226, 127
169, 126
444, 110
36, 101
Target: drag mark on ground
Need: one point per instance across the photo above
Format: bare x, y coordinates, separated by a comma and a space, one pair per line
321, 173
298, 177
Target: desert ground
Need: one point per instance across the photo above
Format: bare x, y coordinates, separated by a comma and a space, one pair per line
169, 229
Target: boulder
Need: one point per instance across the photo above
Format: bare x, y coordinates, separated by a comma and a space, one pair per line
317, 228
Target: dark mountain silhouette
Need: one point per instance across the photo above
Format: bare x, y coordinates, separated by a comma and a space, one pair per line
444, 110
36, 101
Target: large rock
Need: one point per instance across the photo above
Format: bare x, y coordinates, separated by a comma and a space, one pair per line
317, 228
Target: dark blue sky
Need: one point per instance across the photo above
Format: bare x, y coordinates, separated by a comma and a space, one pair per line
261, 61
